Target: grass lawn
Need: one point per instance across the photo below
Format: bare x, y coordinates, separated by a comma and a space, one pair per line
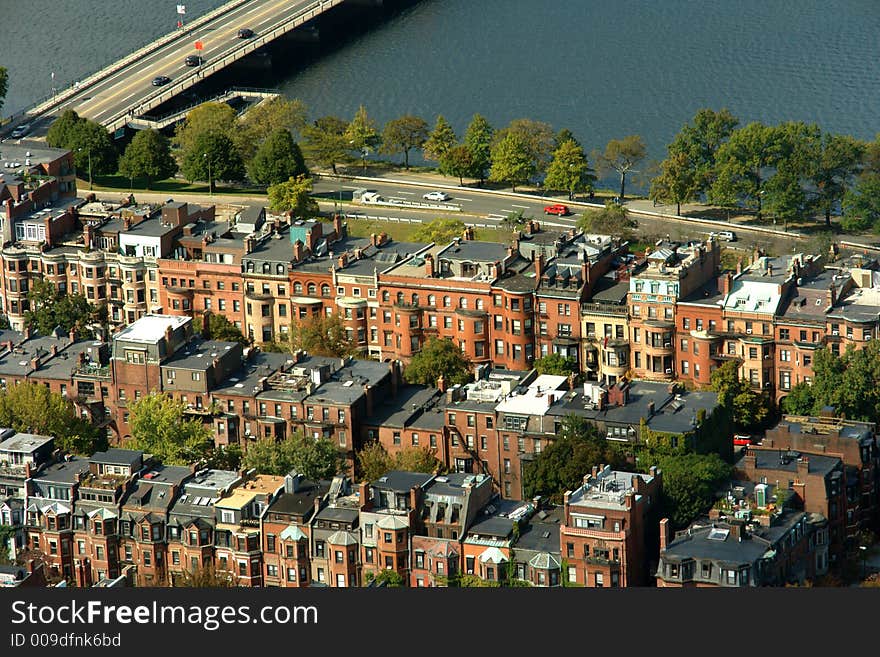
404, 232
117, 183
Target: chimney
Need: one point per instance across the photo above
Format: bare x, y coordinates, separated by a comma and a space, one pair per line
35, 363
298, 250
382, 239
342, 261
414, 498
739, 266
769, 268
831, 296
750, 462
429, 266
395, 377
566, 499
317, 504
594, 471
364, 495
126, 222
27, 469
72, 334
206, 325
168, 332
53, 349
337, 226
368, 393
87, 235
249, 243
803, 468
27, 332
628, 500
441, 383
511, 251
539, 265
664, 534
373, 239
727, 283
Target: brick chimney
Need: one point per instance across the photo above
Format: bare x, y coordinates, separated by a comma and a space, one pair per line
35, 363
168, 332
317, 504
539, 265
27, 332
664, 534
441, 383
126, 222
53, 349
373, 239
337, 226
342, 261
249, 244
369, 395
72, 334
628, 500
87, 235
206, 325
429, 266
803, 468
298, 250
727, 283
364, 495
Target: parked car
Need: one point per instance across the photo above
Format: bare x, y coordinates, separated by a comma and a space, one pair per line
245, 33
193, 60
159, 80
436, 196
558, 209
20, 131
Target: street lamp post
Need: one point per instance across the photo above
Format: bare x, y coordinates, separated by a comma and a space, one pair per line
864, 550
89, 151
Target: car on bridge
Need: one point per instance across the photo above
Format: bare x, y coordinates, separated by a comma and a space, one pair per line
159, 80
436, 196
245, 33
558, 209
193, 60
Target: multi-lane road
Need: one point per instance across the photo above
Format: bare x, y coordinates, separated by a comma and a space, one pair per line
130, 88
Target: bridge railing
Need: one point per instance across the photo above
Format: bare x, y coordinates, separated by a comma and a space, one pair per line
51, 100
169, 91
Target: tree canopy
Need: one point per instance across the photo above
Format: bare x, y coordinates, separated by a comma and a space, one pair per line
749, 409
478, 139
212, 156
512, 160
277, 159
32, 408
211, 118
315, 458
457, 161
148, 156
614, 219
622, 156
51, 309
537, 137
325, 143
89, 142
322, 335
265, 119
404, 134
556, 364
440, 230
362, 135
373, 461
4, 86
220, 328
294, 196
569, 170
561, 465
438, 357
159, 426
861, 205
441, 139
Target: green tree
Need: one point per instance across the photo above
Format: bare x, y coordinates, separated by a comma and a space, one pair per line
207, 118
294, 196
678, 181
478, 140
561, 466
457, 161
212, 156
438, 357
837, 161
205, 577
158, 426
373, 461
321, 335
32, 408
417, 459
314, 458
224, 457
749, 409
563, 136
556, 364
220, 328
265, 119
861, 205
277, 160
325, 143
4, 85
700, 140
440, 230
60, 133
689, 482
90, 143
622, 156
512, 162
614, 219
569, 170
51, 309
148, 156
441, 139
362, 135
800, 400
403, 134
538, 137
387, 578
7, 532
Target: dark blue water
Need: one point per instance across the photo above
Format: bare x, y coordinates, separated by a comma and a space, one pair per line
602, 68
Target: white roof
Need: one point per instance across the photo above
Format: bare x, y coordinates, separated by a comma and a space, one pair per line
536, 399
754, 297
292, 533
150, 328
492, 555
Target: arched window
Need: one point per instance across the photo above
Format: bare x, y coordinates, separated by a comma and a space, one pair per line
312, 288
386, 295
447, 302
415, 299
479, 304
462, 302
400, 297
279, 269
325, 290
297, 288
267, 268
432, 300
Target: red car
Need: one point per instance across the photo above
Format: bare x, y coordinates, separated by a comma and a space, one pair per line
558, 209
740, 439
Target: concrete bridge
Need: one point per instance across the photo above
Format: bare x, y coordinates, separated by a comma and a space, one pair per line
119, 94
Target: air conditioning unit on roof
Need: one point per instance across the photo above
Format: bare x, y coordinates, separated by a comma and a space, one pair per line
749, 331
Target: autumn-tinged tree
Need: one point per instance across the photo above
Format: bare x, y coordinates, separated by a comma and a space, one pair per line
438, 357
322, 335
293, 196
569, 170
441, 139
373, 461
614, 219
538, 138
211, 118
362, 135
265, 119
315, 458
402, 135
325, 143
159, 426
678, 181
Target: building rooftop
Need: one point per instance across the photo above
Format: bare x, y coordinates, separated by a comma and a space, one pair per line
116, 456
537, 398
401, 481
199, 354
24, 442
150, 329
63, 472
541, 533
787, 460
302, 502
607, 490
410, 403
260, 485
453, 484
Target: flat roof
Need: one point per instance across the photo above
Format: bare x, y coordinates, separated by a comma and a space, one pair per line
150, 328
116, 456
198, 354
260, 485
24, 442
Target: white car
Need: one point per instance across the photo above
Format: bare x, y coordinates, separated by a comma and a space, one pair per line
20, 131
436, 196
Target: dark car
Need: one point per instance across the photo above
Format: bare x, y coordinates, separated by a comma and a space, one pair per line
193, 60
245, 33
159, 80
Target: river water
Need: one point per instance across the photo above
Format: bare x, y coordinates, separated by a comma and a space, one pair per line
602, 68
